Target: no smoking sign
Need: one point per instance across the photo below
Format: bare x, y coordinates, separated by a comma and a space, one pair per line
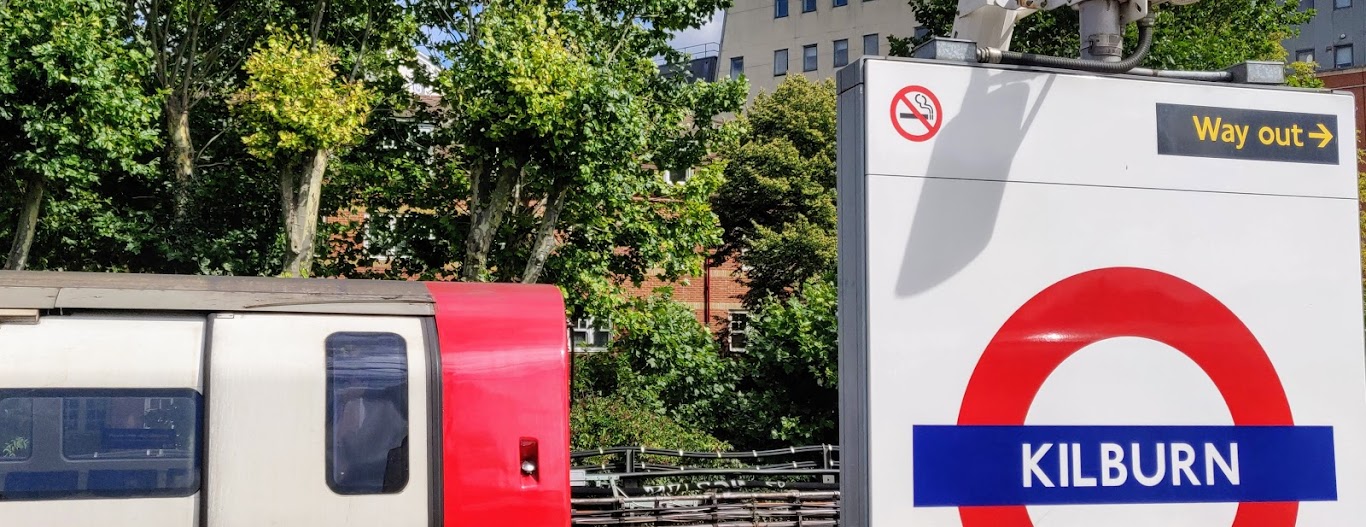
916, 113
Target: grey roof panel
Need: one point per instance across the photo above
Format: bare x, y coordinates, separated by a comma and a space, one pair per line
48, 290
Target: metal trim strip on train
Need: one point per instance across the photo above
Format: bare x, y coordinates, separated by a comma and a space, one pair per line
160, 401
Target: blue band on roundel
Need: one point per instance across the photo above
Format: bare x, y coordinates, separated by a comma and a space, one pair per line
964, 466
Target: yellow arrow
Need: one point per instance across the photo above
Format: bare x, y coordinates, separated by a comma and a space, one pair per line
1323, 135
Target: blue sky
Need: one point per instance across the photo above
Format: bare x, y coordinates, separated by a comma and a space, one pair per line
709, 33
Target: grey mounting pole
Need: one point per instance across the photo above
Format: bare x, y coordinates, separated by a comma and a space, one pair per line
1102, 36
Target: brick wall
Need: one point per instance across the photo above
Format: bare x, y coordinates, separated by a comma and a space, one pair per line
711, 302
1354, 81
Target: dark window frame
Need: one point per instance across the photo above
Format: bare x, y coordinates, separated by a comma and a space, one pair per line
737, 325
811, 58
786, 62
404, 449
808, 6
877, 45
839, 3
835, 47
193, 477
1342, 4
781, 8
737, 64
1351, 56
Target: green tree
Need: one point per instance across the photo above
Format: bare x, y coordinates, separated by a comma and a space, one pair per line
789, 373
661, 360
72, 111
1207, 35
197, 47
297, 113
606, 421
777, 206
553, 126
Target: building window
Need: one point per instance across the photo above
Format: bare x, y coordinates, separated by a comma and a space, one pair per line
780, 62
810, 60
840, 3
737, 336
841, 53
379, 237
737, 67
1342, 56
88, 443
367, 413
870, 45
1342, 4
676, 177
1304, 55
591, 335
780, 8
1306, 5
808, 6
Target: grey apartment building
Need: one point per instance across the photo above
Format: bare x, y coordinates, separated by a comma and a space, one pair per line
1335, 38
767, 40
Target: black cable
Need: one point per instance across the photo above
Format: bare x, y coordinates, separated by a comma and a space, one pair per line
1145, 44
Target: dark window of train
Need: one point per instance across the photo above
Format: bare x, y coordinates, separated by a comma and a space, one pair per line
16, 429
367, 413
99, 443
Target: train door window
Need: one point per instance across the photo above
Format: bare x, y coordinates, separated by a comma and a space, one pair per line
367, 413
99, 443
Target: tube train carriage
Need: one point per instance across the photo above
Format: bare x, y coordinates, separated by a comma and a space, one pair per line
162, 401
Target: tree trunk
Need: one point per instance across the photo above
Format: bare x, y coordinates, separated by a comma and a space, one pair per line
484, 223
181, 154
545, 235
301, 195
28, 225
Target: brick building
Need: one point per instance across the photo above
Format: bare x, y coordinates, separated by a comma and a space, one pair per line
1350, 80
715, 298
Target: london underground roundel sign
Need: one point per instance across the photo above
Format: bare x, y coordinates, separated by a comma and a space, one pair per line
990, 465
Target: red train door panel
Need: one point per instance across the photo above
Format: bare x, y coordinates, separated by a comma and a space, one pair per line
505, 404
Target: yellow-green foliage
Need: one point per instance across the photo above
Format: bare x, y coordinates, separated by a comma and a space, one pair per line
293, 101
1361, 217
535, 64
1302, 75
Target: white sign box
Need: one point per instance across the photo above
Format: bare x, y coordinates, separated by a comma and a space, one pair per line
1078, 300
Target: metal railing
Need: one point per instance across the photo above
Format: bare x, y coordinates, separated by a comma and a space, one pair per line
724, 509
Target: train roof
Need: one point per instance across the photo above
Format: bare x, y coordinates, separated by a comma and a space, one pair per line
150, 292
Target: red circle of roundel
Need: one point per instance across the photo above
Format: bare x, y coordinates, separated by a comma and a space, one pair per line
1123, 302
903, 97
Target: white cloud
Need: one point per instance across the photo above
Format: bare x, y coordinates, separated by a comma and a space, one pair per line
709, 33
